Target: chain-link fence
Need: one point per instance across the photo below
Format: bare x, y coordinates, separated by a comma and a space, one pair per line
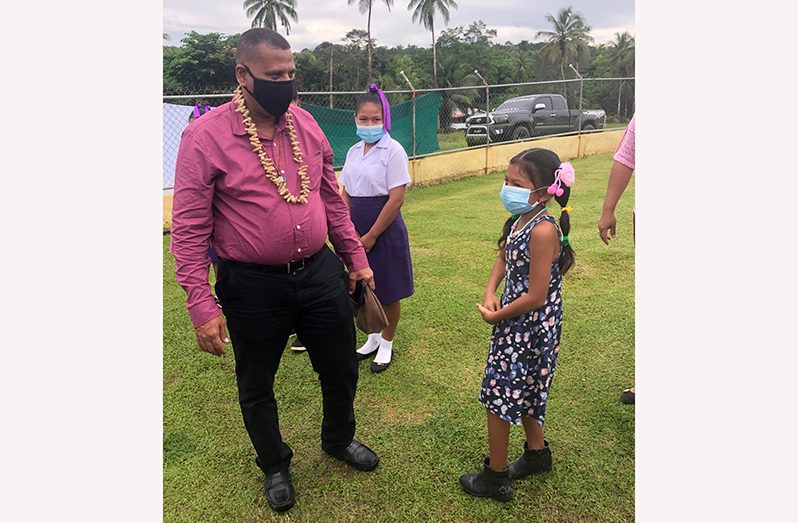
429, 121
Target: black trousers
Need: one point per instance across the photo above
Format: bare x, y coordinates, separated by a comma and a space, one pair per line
262, 309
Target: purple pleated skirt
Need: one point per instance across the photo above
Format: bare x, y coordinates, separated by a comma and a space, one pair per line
390, 256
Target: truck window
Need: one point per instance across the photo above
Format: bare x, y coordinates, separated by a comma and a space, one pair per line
515, 104
544, 100
559, 103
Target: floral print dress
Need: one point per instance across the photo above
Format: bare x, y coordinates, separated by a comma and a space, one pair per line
523, 350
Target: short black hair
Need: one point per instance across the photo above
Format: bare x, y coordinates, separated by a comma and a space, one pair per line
252, 38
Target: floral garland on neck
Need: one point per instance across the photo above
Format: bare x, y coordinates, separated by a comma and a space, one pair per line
268, 163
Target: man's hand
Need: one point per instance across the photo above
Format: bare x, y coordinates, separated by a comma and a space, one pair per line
489, 316
212, 335
367, 241
606, 224
365, 275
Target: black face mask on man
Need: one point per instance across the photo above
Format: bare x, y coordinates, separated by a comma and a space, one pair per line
273, 97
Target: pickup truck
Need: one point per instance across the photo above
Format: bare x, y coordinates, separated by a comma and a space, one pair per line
526, 116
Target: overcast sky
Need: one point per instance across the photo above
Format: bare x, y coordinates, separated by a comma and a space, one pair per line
330, 20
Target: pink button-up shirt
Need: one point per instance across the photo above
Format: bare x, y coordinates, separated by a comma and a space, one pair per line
222, 194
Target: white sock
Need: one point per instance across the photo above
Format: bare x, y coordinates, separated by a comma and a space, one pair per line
384, 354
371, 344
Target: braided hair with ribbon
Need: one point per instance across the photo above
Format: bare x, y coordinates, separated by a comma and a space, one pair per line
545, 169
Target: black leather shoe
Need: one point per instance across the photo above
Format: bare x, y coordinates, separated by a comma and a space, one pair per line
279, 490
531, 462
489, 483
356, 455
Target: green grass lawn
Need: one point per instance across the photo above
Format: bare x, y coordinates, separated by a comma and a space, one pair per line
422, 415
452, 140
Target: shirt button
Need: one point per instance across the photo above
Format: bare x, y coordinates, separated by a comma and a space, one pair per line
298, 227
299, 250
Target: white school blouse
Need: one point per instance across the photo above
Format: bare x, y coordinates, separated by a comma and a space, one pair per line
383, 168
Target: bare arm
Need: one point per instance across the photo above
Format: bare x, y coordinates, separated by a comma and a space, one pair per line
489, 300
543, 245
620, 175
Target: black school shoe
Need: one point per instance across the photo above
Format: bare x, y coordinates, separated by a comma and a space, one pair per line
356, 455
489, 483
628, 397
376, 368
531, 462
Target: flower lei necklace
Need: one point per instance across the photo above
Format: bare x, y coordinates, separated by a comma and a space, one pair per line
268, 163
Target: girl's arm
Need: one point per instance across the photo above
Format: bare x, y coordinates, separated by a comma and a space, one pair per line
489, 300
543, 245
396, 198
346, 197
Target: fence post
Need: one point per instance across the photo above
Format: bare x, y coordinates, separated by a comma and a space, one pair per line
487, 117
413, 93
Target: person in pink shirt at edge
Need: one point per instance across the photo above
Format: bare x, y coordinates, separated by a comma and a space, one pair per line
267, 215
622, 167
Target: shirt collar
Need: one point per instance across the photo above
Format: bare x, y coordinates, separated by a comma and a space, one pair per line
238, 121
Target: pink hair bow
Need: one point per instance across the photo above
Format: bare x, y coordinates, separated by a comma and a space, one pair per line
386, 109
565, 175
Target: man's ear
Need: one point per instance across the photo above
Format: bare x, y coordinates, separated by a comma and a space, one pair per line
241, 74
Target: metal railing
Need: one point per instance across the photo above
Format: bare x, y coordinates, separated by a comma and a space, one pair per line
589, 97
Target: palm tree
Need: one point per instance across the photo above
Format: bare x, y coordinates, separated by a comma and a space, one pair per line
425, 14
568, 40
364, 6
267, 12
622, 58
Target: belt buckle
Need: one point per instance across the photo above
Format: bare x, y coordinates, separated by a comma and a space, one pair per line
297, 269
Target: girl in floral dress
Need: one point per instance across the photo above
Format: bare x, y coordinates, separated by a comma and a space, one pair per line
534, 253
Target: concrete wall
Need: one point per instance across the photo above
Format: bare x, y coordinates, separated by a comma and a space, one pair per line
446, 166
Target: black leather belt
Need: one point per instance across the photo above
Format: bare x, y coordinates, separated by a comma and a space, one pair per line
284, 268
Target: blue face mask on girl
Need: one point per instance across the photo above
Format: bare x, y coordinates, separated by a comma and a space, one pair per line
370, 133
516, 199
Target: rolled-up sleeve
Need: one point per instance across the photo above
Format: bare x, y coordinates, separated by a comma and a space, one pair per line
339, 227
192, 224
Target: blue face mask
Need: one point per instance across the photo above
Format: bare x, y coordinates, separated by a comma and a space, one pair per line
516, 199
370, 133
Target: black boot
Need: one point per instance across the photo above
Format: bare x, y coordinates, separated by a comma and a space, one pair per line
531, 462
488, 483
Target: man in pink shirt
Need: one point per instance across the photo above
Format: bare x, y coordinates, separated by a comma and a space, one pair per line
255, 178
622, 168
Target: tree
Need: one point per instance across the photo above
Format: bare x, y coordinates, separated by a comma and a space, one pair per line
569, 39
267, 12
365, 6
425, 14
622, 59
204, 63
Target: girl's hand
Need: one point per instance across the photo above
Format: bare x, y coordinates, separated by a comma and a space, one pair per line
367, 241
490, 302
489, 316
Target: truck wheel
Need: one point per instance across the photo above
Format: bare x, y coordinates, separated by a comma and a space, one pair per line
588, 127
520, 133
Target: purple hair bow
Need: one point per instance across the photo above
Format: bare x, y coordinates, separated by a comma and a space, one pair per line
386, 109
205, 109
